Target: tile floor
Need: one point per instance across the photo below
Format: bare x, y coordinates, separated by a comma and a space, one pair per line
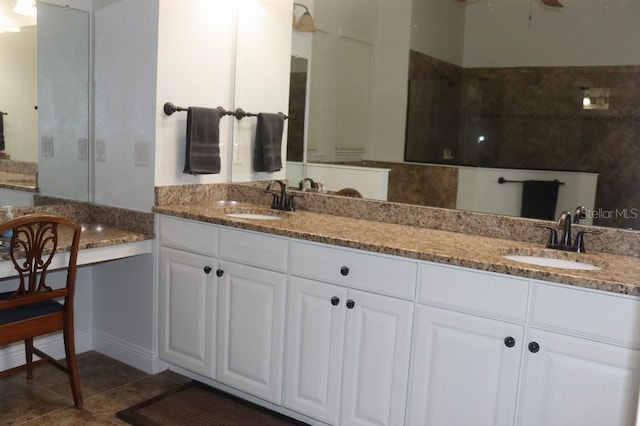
108, 386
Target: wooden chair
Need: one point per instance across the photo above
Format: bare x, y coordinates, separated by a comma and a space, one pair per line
35, 309
349, 192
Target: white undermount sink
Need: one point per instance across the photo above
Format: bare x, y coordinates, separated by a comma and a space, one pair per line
552, 262
256, 216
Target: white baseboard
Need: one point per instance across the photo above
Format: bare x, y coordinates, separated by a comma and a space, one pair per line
123, 351
127, 352
13, 355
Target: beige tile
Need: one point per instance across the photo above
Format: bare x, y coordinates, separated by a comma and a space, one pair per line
108, 386
98, 373
23, 400
69, 416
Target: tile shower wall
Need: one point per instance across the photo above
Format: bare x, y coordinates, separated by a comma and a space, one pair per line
531, 117
421, 184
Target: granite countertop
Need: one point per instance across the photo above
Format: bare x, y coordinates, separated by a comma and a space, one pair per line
96, 235
101, 226
619, 274
92, 236
18, 181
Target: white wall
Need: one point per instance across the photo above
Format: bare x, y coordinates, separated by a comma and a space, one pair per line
498, 33
126, 37
18, 88
63, 101
371, 182
262, 73
479, 190
358, 98
438, 28
196, 57
390, 81
125, 311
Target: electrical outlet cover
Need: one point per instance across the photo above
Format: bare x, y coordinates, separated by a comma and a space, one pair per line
101, 150
83, 149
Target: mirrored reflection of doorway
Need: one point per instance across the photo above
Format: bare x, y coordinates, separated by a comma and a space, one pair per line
297, 102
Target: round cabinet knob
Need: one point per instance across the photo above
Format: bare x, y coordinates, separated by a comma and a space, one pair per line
344, 271
219, 272
534, 347
207, 269
509, 342
335, 300
350, 304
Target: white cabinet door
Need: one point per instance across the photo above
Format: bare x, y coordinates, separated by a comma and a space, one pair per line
464, 369
574, 381
251, 329
313, 349
376, 359
187, 302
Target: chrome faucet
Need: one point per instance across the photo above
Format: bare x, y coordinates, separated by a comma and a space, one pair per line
281, 201
579, 213
302, 182
564, 223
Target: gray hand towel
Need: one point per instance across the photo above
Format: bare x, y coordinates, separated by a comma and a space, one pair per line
266, 150
1, 131
202, 154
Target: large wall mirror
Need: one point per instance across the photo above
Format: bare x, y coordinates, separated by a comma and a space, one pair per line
47, 96
490, 84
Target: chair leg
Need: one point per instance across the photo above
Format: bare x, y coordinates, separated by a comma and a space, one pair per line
28, 352
72, 367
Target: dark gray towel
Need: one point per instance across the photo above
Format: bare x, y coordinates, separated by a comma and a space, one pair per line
202, 154
539, 199
266, 150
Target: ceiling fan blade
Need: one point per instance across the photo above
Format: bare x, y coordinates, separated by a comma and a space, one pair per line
551, 3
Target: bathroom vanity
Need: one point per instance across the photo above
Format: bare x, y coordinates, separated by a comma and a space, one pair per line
348, 321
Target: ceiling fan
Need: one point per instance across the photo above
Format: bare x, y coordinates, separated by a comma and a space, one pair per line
550, 3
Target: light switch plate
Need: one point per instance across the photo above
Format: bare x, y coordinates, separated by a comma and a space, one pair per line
141, 154
46, 146
237, 154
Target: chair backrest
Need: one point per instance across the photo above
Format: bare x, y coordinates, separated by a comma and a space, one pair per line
349, 192
34, 242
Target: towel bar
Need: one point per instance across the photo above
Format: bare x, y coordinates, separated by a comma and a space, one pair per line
239, 113
169, 108
502, 180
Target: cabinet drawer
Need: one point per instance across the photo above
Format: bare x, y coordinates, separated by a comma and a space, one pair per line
356, 269
254, 249
595, 314
189, 235
474, 291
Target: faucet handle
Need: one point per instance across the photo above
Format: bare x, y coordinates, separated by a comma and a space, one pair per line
275, 198
290, 204
579, 243
553, 235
